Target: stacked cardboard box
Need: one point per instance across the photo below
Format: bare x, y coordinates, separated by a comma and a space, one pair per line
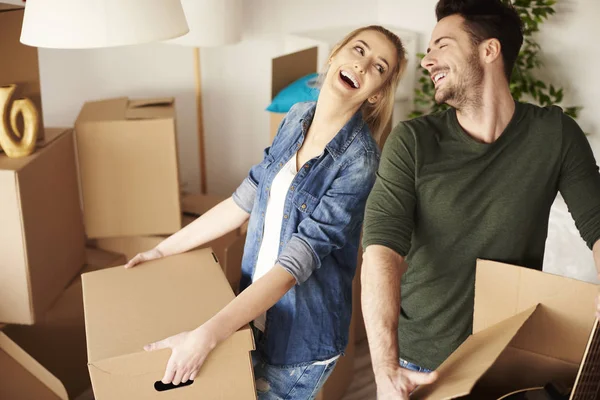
41, 235
127, 153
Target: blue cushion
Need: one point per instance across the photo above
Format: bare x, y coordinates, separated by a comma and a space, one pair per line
303, 89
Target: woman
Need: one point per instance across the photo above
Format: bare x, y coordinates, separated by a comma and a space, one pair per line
305, 202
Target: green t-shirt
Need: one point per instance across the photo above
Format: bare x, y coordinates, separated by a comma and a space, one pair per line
443, 199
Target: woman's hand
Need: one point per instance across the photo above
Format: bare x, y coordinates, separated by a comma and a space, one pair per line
152, 254
189, 350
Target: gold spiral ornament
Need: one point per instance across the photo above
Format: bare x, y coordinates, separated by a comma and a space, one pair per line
14, 142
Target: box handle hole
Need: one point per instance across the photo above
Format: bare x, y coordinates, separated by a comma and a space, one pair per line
161, 387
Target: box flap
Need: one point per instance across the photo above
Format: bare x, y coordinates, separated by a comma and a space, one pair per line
291, 67
103, 110
126, 309
32, 366
197, 204
503, 290
142, 362
150, 108
459, 373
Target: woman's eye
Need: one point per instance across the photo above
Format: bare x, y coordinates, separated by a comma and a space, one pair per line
360, 50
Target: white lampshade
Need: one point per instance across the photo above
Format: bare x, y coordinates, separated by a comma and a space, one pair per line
79, 24
211, 22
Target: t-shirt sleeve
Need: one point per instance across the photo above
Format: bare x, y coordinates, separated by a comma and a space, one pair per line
390, 210
579, 181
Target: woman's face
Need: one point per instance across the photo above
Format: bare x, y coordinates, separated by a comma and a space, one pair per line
361, 67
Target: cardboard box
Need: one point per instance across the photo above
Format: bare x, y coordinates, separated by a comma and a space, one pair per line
57, 340
228, 249
41, 229
20, 62
529, 328
127, 153
360, 331
23, 378
340, 379
127, 309
286, 70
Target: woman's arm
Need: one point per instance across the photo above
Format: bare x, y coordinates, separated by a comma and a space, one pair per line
216, 222
190, 349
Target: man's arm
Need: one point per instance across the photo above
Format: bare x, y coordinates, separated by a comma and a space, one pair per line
596, 250
388, 227
382, 270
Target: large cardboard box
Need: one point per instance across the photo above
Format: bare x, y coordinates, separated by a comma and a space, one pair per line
127, 309
41, 228
23, 378
529, 328
127, 153
57, 341
19, 62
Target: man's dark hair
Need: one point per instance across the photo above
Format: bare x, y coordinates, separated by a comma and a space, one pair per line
486, 19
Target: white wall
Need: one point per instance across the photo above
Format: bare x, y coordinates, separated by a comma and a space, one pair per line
236, 86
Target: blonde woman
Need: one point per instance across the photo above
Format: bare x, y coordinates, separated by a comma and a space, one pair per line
305, 201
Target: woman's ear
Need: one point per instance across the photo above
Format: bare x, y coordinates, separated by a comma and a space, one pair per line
373, 99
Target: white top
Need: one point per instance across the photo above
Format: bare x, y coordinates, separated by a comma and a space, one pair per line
269, 248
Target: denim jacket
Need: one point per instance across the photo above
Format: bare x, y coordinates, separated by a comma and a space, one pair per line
320, 231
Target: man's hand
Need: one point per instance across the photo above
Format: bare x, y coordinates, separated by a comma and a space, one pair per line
396, 383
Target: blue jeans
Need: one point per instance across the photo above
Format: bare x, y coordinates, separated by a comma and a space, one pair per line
412, 367
293, 382
297, 382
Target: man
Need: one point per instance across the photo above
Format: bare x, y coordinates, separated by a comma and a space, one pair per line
476, 181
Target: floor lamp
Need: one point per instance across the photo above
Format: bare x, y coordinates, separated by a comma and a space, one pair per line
212, 23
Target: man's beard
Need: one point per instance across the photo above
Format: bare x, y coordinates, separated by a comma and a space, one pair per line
467, 90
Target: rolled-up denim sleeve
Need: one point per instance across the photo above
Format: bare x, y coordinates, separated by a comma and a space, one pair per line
338, 213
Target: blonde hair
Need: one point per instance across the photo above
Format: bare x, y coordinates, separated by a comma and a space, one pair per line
379, 114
